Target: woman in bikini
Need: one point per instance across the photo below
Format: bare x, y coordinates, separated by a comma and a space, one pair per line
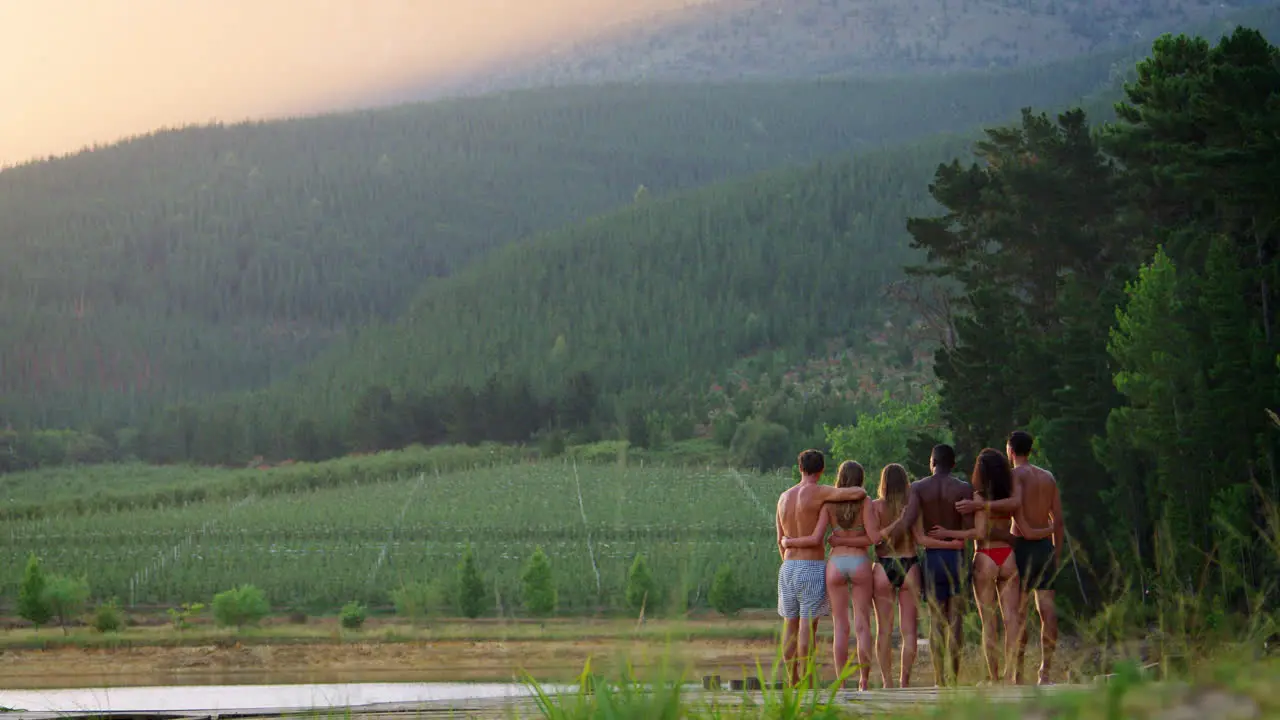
895, 574
856, 529
995, 572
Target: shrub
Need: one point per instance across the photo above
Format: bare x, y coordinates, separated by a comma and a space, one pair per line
551, 444
538, 586
32, 603
641, 589
244, 605
762, 445
418, 601
725, 594
181, 616
65, 597
108, 617
353, 615
724, 427
472, 596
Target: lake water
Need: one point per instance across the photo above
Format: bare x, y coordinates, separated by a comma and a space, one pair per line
245, 697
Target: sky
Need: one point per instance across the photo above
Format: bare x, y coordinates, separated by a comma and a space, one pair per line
78, 72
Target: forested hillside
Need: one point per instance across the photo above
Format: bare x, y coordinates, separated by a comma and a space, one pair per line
650, 302
217, 258
734, 39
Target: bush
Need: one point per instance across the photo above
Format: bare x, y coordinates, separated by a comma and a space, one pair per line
244, 605
724, 427
353, 615
551, 444
108, 617
65, 597
762, 445
538, 585
32, 603
641, 589
725, 594
181, 617
418, 601
473, 599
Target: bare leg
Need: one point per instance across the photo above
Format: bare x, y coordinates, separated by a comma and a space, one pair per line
909, 624
882, 597
805, 655
985, 573
1048, 632
1010, 610
790, 637
862, 592
838, 593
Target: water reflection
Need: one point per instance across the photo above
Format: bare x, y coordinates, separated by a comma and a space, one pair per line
244, 697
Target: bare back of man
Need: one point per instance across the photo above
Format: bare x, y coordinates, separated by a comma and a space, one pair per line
1038, 549
802, 585
932, 503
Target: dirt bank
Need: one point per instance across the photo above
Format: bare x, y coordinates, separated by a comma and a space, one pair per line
360, 661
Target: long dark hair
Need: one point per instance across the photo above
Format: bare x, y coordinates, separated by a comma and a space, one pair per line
992, 476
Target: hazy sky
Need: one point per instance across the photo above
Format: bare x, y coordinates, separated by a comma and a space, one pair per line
74, 72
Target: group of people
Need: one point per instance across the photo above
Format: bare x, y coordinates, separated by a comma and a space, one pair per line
1009, 509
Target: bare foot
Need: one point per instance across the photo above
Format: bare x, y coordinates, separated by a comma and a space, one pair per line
1044, 678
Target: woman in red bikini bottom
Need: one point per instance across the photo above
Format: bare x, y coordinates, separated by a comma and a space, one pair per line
995, 573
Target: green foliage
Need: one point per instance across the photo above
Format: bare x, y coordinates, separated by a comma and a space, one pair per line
725, 595
762, 445
886, 436
114, 488
642, 589
538, 587
180, 617
1165, 214
33, 605
240, 606
212, 259
353, 615
65, 597
473, 595
108, 617
419, 601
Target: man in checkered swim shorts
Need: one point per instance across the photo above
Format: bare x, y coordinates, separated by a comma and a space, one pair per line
802, 586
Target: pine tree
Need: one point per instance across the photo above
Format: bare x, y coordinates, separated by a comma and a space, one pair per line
473, 597
641, 588
538, 589
32, 603
725, 594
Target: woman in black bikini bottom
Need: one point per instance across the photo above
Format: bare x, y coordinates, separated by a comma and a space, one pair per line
895, 574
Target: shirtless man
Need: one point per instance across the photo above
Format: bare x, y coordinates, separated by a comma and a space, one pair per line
802, 580
932, 502
1036, 500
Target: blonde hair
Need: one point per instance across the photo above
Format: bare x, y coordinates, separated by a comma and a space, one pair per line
894, 484
850, 474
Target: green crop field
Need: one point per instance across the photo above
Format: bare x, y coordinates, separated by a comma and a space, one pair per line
317, 549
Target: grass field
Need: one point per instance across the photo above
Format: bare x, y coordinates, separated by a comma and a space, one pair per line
359, 540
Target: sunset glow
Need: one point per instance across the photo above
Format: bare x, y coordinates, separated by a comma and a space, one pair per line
78, 72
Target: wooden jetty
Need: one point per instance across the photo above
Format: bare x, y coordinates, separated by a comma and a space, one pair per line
871, 702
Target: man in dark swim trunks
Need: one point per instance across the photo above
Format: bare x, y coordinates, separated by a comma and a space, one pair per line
1035, 497
933, 501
